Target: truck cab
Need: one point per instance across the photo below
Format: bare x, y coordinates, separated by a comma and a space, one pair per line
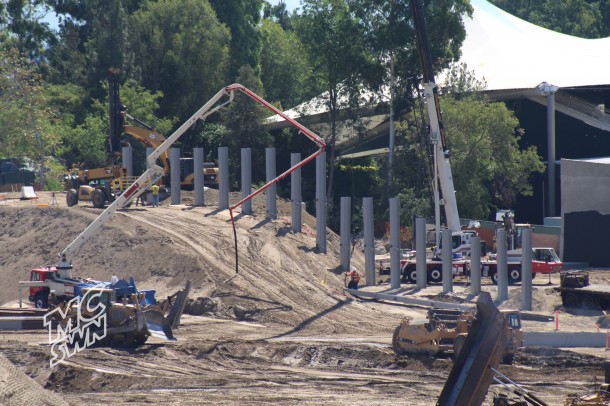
546, 261
45, 279
39, 294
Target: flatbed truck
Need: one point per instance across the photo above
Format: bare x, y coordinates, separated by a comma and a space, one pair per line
577, 292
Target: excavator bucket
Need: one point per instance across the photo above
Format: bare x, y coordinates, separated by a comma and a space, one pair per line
157, 325
472, 371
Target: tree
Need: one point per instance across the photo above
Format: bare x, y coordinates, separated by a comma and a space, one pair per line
489, 168
93, 38
27, 32
390, 38
279, 14
24, 114
581, 18
181, 50
243, 18
243, 121
85, 139
284, 66
334, 42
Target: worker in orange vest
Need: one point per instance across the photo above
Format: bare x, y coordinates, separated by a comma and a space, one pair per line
354, 279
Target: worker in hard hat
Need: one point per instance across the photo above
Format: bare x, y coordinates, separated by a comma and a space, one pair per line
354, 278
155, 195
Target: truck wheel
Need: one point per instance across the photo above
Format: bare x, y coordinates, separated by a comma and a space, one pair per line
411, 275
507, 359
72, 197
41, 301
588, 302
435, 275
98, 198
398, 350
514, 275
571, 300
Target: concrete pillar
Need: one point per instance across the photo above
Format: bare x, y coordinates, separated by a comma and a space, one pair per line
395, 275
270, 172
246, 179
175, 174
550, 114
475, 265
369, 240
223, 173
447, 262
345, 230
295, 193
321, 202
198, 170
526, 269
420, 254
149, 150
502, 266
127, 157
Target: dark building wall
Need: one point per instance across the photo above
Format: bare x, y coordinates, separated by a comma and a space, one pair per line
586, 238
573, 140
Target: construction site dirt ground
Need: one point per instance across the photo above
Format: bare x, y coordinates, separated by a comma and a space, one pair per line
281, 330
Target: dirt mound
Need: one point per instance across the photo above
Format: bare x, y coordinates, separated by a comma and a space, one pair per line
281, 276
17, 389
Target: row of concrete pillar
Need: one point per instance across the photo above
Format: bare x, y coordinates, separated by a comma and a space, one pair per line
447, 256
345, 221
246, 184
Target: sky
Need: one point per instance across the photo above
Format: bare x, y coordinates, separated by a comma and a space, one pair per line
290, 4
51, 18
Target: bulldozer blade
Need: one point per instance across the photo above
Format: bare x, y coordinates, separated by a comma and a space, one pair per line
178, 306
158, 326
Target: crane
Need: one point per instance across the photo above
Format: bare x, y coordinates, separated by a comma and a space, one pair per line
442, 165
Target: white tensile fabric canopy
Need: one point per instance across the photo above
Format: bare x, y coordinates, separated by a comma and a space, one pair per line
511, 53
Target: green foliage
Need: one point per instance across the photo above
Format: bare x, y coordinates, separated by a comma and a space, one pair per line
390, 38
24, 112
284, 66
243, 18
581, 18
54, 176
28, 31
279, 14
334, 41
488, 166
412, 204
182, 50
85, 145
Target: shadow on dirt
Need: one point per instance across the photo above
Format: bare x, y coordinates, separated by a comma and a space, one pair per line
315, 317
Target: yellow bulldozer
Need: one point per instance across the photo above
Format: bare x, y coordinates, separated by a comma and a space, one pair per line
102, 317
445, 330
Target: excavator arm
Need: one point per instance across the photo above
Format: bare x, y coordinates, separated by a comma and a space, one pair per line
150, 138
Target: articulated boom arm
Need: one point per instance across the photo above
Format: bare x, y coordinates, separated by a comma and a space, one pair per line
437, 132
155, 172
441, 159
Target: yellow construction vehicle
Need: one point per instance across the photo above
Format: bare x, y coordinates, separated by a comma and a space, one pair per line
97, 185
445, 330
111, 322
151, 138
